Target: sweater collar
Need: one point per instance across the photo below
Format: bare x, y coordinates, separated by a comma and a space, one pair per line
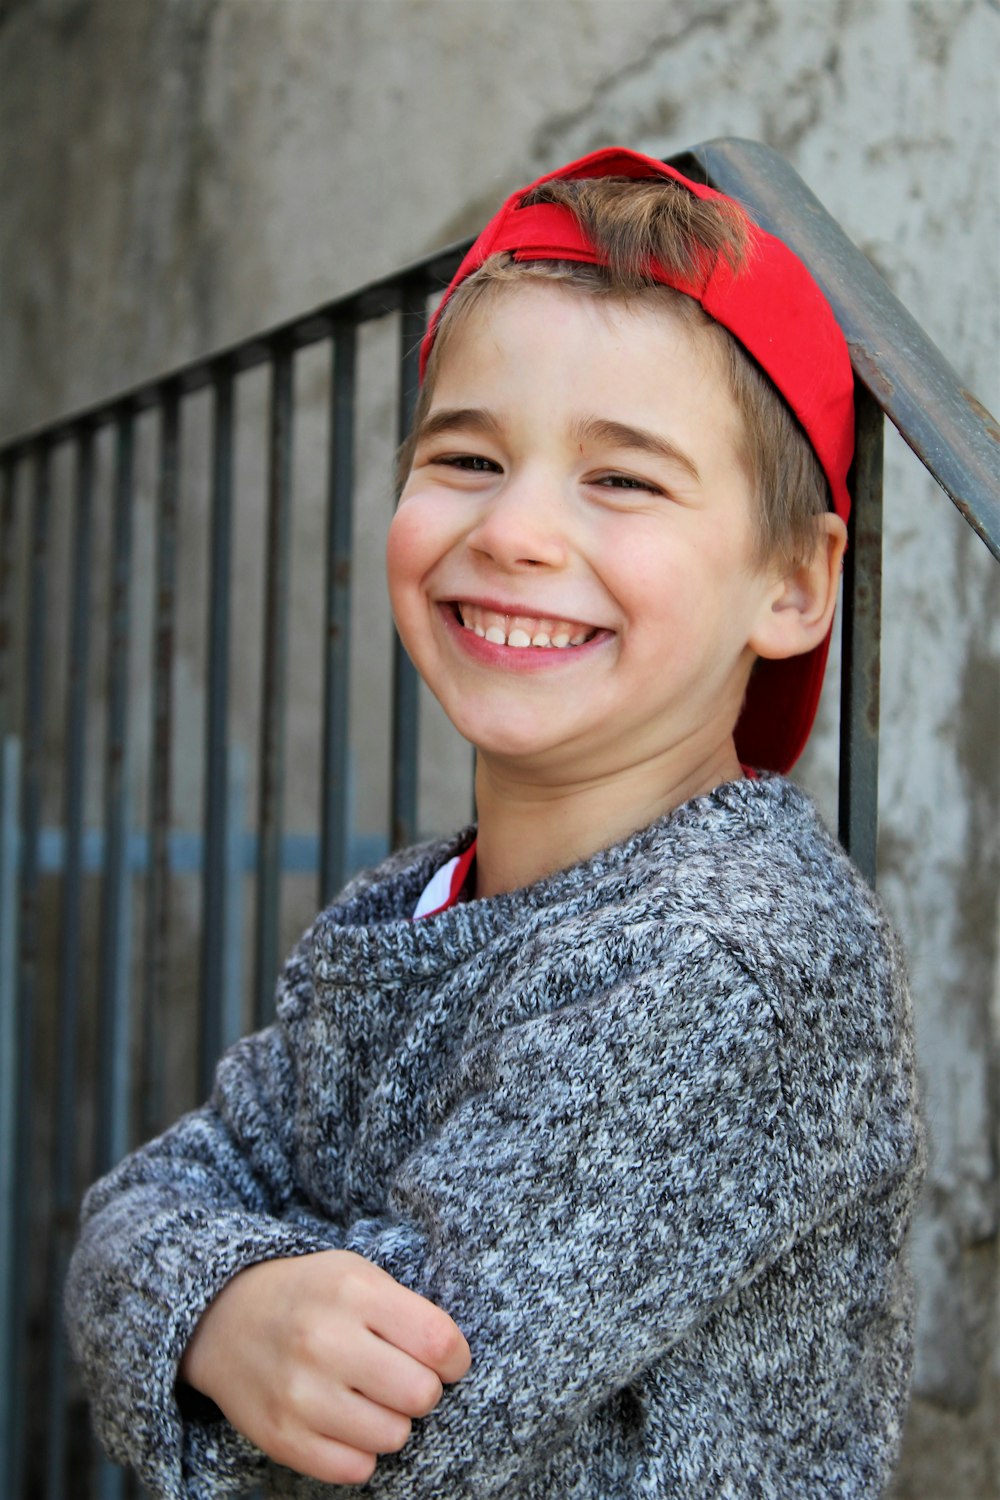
370, 930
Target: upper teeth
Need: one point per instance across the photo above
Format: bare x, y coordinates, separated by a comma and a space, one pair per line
522, 630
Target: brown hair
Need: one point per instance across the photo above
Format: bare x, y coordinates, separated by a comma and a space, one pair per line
630, 223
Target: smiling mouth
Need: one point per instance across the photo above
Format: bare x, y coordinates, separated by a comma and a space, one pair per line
520, 631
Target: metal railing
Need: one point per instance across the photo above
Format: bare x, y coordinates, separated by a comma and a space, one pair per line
88, 909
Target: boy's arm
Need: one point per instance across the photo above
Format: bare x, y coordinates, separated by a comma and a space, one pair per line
161, 1235
168, 1237
213, 1203
164, 1232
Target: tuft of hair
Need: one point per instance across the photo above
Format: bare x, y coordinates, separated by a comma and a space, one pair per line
633, 222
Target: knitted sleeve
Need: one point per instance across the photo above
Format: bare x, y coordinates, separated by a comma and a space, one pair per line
603, 1176
162, 1234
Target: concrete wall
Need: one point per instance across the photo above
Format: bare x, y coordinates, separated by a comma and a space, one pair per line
178, 173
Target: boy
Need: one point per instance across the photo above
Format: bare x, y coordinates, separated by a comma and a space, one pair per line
579, 1159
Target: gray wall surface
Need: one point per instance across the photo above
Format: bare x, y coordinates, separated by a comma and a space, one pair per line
176, 174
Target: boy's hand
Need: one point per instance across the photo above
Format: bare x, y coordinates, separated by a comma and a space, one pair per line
322, 1361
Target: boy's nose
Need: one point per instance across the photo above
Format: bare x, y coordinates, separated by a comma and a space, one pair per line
524, 526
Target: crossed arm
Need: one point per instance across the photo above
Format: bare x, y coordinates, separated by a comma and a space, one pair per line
599, 1179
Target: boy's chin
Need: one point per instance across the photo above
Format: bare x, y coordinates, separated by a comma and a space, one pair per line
514, 724
530, 749
530, 752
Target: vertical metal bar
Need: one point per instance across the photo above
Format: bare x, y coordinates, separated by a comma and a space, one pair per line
7, 520
861, 638
274, 694
334, 821
157, 918
405, 683
70, 963
231, 1011
10, 792
27, 976
215, 892
111, 1480
113, 1031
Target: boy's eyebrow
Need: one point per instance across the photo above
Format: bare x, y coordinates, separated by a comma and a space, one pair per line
589, 429
458, 419
624, 435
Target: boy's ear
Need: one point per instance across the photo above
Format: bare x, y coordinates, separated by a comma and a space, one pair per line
797, 613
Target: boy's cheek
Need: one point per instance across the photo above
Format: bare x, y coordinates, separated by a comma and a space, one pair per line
425, 525
407, 554
400, 538
394, 552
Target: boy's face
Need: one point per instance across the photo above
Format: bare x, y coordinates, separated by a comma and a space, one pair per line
577, 478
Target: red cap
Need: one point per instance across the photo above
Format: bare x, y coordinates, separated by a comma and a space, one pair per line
774, 308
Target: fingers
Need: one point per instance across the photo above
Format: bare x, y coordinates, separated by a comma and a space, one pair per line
351, 1418
325, 1429
415, 1325
437, 1342
395, 1379
322, 1458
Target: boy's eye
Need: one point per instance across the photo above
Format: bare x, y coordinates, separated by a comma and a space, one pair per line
472, 463
628, 482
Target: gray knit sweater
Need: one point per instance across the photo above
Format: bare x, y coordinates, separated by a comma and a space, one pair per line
645, 1129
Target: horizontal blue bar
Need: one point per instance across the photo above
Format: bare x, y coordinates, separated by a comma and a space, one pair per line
299, 852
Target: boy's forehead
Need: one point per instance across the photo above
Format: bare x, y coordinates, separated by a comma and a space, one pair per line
645, 320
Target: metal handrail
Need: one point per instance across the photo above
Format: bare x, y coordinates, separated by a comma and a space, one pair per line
377, 298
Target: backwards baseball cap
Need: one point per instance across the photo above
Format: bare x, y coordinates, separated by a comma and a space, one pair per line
773, 307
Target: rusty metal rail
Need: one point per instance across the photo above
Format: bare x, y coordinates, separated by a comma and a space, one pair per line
62, 1120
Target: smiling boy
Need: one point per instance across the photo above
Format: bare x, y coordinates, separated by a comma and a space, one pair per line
600, 1115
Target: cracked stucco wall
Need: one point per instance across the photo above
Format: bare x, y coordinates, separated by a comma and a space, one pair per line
178, 173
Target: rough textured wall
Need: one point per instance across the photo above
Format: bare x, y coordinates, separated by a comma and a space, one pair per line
177, 173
